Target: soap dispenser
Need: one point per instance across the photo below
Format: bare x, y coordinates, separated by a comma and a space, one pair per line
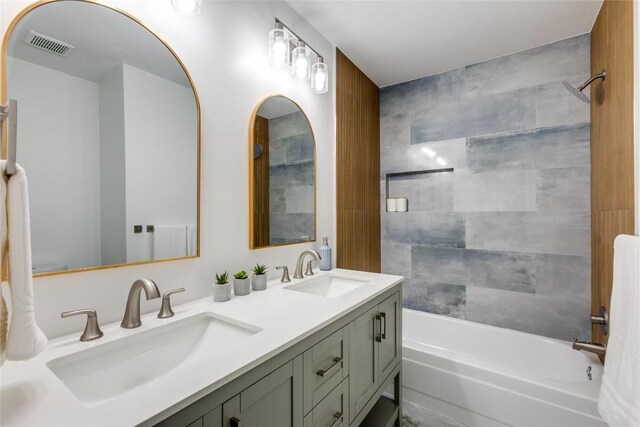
325, 255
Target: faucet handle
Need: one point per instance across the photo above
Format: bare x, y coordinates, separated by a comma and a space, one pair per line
285, 273
165, 310
309, 271
92, 329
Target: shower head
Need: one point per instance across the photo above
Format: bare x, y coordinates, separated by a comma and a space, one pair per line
577, 91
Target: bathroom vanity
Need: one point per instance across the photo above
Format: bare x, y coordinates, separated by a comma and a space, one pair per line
320, 351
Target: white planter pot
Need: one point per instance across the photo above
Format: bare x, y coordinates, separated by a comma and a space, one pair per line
241, 286
221, 293
259, 282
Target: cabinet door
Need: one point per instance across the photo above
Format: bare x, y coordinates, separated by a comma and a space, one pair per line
363, 361
274, 401
390, 311
213, 418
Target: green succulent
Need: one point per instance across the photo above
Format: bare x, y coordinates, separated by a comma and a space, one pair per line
222, 279
241, 275
260, 269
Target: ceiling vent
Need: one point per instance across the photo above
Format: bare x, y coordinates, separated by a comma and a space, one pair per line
48, 44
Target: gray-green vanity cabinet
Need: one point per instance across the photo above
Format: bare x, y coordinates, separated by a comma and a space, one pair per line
274, 401
333, 378
374, 339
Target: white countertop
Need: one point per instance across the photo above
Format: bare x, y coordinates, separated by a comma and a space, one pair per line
31, 394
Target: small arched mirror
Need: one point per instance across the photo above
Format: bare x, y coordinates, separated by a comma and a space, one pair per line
282, 191
108, 134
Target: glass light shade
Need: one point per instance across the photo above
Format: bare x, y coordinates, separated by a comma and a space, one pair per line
278, 47
319, 77
188, 7
300, 62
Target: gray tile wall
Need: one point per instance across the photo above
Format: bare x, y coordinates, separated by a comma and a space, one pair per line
291, 180
505, 238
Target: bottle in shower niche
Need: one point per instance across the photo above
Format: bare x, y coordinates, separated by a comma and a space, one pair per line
325, 255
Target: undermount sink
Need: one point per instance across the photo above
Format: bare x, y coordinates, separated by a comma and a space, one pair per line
329, 286
103, 372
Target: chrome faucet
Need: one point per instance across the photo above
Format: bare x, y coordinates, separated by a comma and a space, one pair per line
599, 349
131, 317
298, 273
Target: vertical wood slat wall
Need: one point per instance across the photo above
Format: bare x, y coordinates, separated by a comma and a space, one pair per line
357, 168
261, 185
612, 174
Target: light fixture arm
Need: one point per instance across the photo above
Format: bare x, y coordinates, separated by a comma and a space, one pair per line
279, 22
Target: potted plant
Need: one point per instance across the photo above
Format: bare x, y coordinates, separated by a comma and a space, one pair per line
241, 283
222, 288
259, 278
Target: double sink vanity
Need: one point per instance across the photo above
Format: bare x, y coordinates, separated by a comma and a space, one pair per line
318, 351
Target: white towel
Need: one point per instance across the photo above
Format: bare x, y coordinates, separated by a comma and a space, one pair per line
192, 240
619, 401
24, 339
169, 241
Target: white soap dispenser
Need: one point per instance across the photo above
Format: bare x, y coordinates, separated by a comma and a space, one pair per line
325, 255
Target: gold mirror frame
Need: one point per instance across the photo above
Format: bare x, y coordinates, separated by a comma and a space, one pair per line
3, 100
252, 125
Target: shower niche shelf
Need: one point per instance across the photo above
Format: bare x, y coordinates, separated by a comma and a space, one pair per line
392, 175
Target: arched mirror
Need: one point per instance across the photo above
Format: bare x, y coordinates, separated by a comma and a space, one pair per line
282, 190
108, 134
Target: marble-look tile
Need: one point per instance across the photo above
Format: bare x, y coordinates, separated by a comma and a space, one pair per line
396, 259
499, 270
564, 189
563, 275
393, 160
450, 153
565, 233
277, 200
555, 105
277, 152
421, 93
560, 146
288, 125
505, 112
439, 298
299, 147
561, 318
284, 176
417, 416
395, 131
428, 192
424, 228
501, 190
286, 227
300, 199
552, 62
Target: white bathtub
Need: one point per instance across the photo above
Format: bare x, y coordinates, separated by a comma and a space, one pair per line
483, 375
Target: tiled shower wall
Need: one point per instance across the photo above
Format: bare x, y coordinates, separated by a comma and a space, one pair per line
504, 239
291, 193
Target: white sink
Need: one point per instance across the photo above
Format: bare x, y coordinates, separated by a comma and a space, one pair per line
103, 372
330, 286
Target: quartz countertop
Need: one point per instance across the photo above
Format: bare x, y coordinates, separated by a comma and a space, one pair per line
32, 395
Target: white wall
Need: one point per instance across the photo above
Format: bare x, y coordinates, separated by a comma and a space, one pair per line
225, 50
59, 149
161, 157
112, 169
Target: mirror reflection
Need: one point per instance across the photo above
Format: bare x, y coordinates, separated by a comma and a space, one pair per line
282, 164
108, 135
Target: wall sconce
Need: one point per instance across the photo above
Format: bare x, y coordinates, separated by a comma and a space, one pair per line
278, 46
187, 7
281, 42
319, 76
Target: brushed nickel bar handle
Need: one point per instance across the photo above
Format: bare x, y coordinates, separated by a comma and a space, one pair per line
235, 422
338, 418
324, 372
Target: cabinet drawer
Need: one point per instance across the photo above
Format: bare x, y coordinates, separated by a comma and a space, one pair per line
325, 366
332, 410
